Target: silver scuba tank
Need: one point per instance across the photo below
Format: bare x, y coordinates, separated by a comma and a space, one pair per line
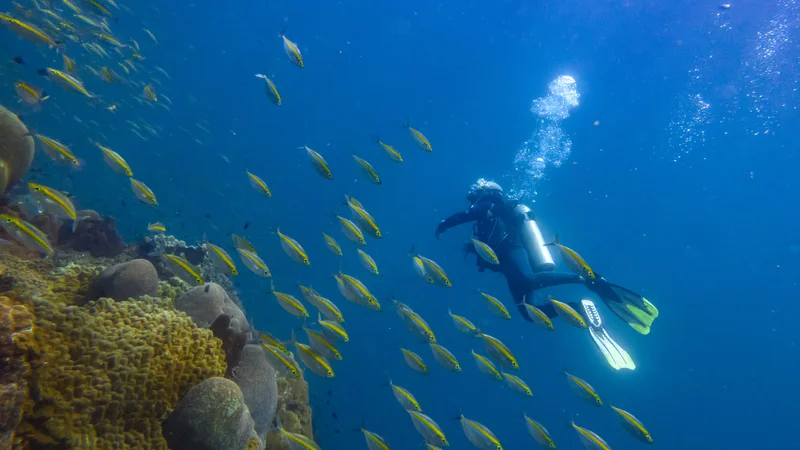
531, 237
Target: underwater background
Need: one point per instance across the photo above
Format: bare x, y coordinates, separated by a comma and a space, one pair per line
673, 172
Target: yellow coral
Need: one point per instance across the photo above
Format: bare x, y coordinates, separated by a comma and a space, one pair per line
105, 374
16, 324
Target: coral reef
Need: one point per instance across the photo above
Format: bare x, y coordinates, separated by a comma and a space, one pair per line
258, 383
212, 416
16, 149
36, 277
16, 325
94, 234
207, 302
211, 273
293, 411
105, 374
126, 280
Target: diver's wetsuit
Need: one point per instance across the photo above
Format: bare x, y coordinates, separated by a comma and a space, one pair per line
494, 225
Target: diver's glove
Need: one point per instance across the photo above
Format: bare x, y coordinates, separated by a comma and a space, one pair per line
440, 229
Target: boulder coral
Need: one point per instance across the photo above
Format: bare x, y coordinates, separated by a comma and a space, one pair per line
206, 302
16, 149
212, 416
126, 280
258, 383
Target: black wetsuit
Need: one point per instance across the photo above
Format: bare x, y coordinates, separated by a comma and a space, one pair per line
496, 226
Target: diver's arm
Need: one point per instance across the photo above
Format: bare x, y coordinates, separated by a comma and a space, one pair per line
474, 213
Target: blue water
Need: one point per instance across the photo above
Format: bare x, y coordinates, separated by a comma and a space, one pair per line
689, 200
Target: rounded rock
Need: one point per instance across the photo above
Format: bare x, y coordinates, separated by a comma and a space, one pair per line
126, 280
16, 149
207, 302
258, 382
211, 416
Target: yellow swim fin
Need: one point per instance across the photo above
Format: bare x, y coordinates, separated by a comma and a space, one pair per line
645, 318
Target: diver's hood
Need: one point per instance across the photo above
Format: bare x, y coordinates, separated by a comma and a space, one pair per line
482, 188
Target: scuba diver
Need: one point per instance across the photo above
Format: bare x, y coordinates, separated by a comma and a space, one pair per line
510, 229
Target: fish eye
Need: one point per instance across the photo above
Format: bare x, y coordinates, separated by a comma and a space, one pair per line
330, 374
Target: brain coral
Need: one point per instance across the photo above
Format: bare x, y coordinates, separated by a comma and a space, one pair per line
104, 375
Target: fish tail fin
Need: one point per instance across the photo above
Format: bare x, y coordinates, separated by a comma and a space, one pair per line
261, 75
554, 241
413, 251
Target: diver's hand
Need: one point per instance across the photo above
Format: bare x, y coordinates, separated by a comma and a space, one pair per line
440, 229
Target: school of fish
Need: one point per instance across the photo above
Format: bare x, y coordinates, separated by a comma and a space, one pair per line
82, 32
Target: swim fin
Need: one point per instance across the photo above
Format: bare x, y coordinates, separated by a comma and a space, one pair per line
631, 307
615, 355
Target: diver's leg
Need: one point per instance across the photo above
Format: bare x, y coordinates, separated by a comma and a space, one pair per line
548, 279
519, 274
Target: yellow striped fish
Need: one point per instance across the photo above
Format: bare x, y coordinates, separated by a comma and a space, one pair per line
115, 161
499, 352
332, 245
516, 383
367, 261
26, 234
445, 357
584, 389
569, 314
393, 154
281, 361
291, 304
182, 269
319, 163
414, 361
590, 439
222, 259
292, 51
420, 139
259, 185
150, 94
480, 436
633, 425
156, 227
374, 441
57, 151
29, 94
363, 218
368, 170
486, 366
429, 429
485, 252
436, 271
313, 360
53, 202
539, 317
573, 260
496, 306
143, 193
297, 441
539, 433
463, 324
293, 249
352, 231
333, 330
273, 341
272, 91
253, 262
27, 31
321, 345
405, 398
240, 242
67, 82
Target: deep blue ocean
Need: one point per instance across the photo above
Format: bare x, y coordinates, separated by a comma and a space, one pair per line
675, 175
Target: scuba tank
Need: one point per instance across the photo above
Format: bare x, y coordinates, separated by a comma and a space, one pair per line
531, 238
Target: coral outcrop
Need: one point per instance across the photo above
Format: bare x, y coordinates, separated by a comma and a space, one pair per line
16, 149
16, 325
232, 341
212, 416
94, 234
104, 375
293, 411
131, 279
259, 386
207, 302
